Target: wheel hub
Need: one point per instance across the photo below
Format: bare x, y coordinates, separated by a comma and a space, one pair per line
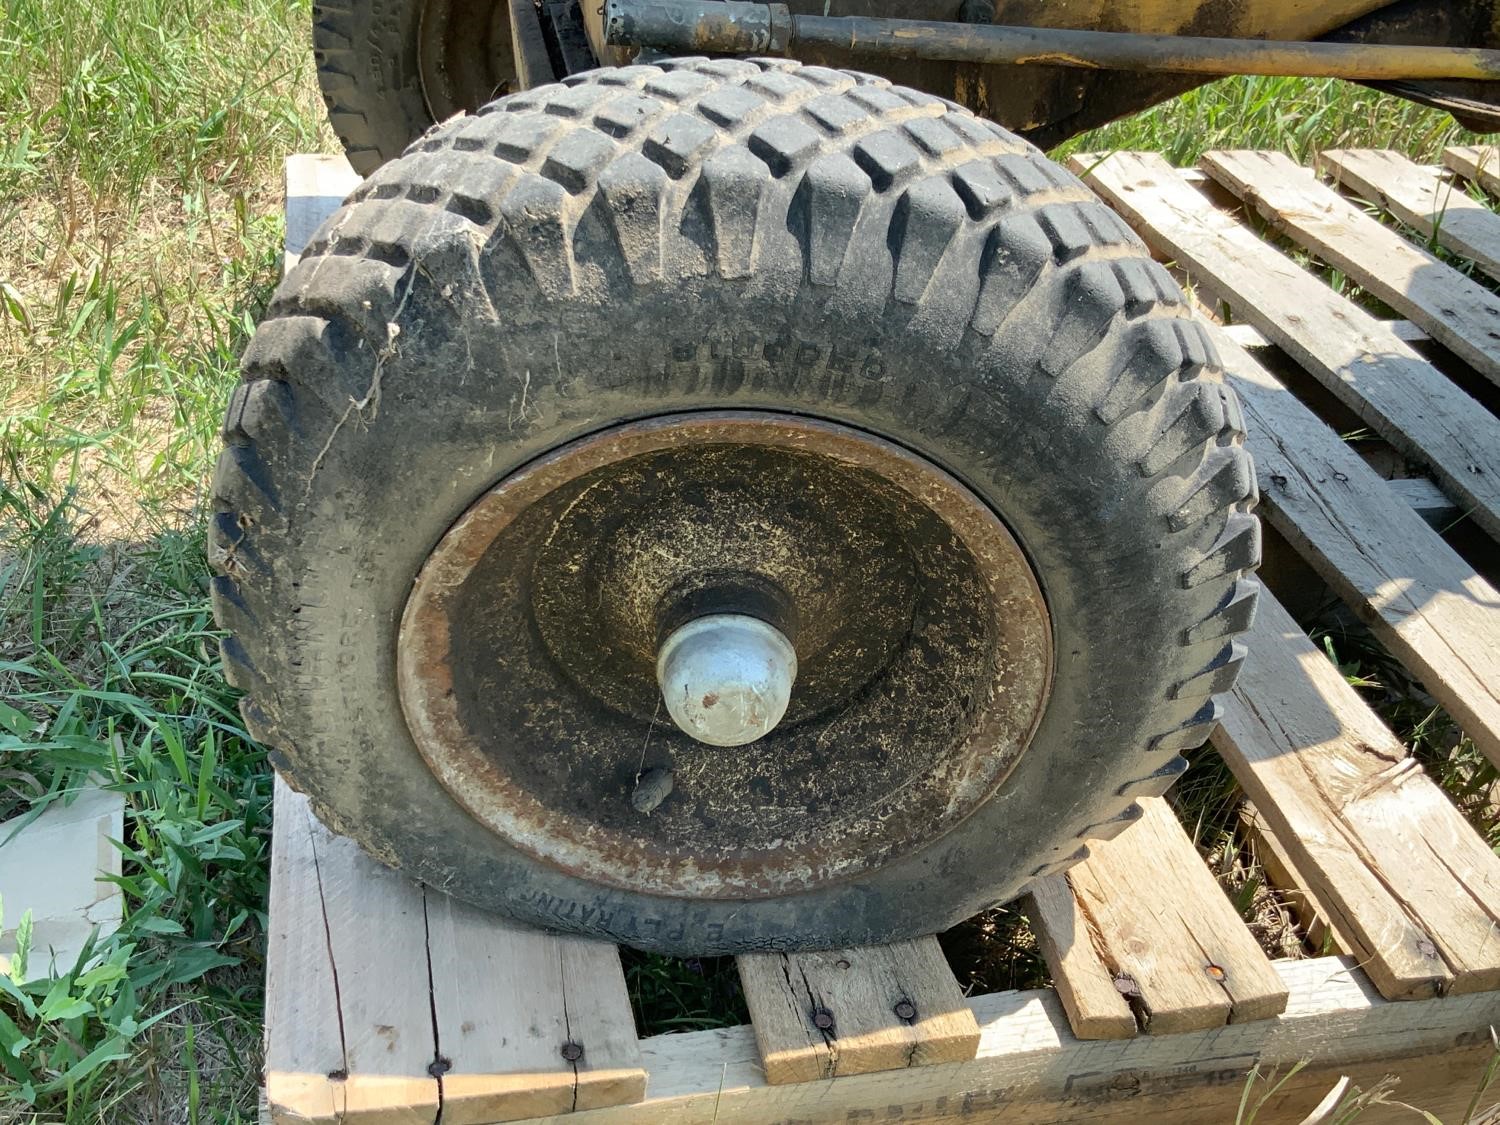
850, 649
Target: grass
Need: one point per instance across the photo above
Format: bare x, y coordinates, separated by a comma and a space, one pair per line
138, 196
690, 994
140, 152
1347, 1102
136, 701
139, 240
1300, 117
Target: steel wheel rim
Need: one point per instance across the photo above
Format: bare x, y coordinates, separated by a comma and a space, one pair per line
883, 800
464, 57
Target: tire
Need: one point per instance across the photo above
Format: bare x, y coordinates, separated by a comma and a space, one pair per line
624, 245
370, 70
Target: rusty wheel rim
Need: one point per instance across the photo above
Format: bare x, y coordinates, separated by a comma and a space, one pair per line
526, 647
464, 56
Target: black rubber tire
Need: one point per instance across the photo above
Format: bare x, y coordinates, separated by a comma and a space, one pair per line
367, 58
734, 234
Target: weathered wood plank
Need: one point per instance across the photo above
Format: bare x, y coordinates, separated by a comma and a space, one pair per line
529, 46
304, 1043
1030, 1068
1457, 312
596, 1002
1096, 1007
1428, 501
348, 1016
1164, 922
1361, 361
1480, 163
316, 186
507, 999
862, 995
483, 989
1423, 601
1248, 336
1401, 874
436, 1005
1422, 198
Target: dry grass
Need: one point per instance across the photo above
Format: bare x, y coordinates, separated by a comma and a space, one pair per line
139, 225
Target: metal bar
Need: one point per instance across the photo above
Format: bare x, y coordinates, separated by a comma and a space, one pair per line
533, 64
740, 27
689, 26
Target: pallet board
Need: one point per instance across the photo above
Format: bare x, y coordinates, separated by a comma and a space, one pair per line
1363, 827
885, 1007
1453, 309
1174, 945
1092, 992
1419, 596
1481, 164
437, 1005
1162, 1002
1365, 364
1436, 205
1031, 1069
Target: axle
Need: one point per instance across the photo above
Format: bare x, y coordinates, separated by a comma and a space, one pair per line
744, 27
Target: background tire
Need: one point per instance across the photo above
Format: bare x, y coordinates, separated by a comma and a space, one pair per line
389, 68
734, 234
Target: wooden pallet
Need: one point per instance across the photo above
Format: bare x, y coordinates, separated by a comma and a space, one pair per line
389, 1003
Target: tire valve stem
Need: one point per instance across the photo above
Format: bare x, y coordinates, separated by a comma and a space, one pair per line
652, 787
726, 678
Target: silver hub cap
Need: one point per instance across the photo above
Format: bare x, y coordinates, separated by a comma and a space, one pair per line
726, 679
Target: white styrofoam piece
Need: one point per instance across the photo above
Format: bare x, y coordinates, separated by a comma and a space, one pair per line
52, 867
316, 186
